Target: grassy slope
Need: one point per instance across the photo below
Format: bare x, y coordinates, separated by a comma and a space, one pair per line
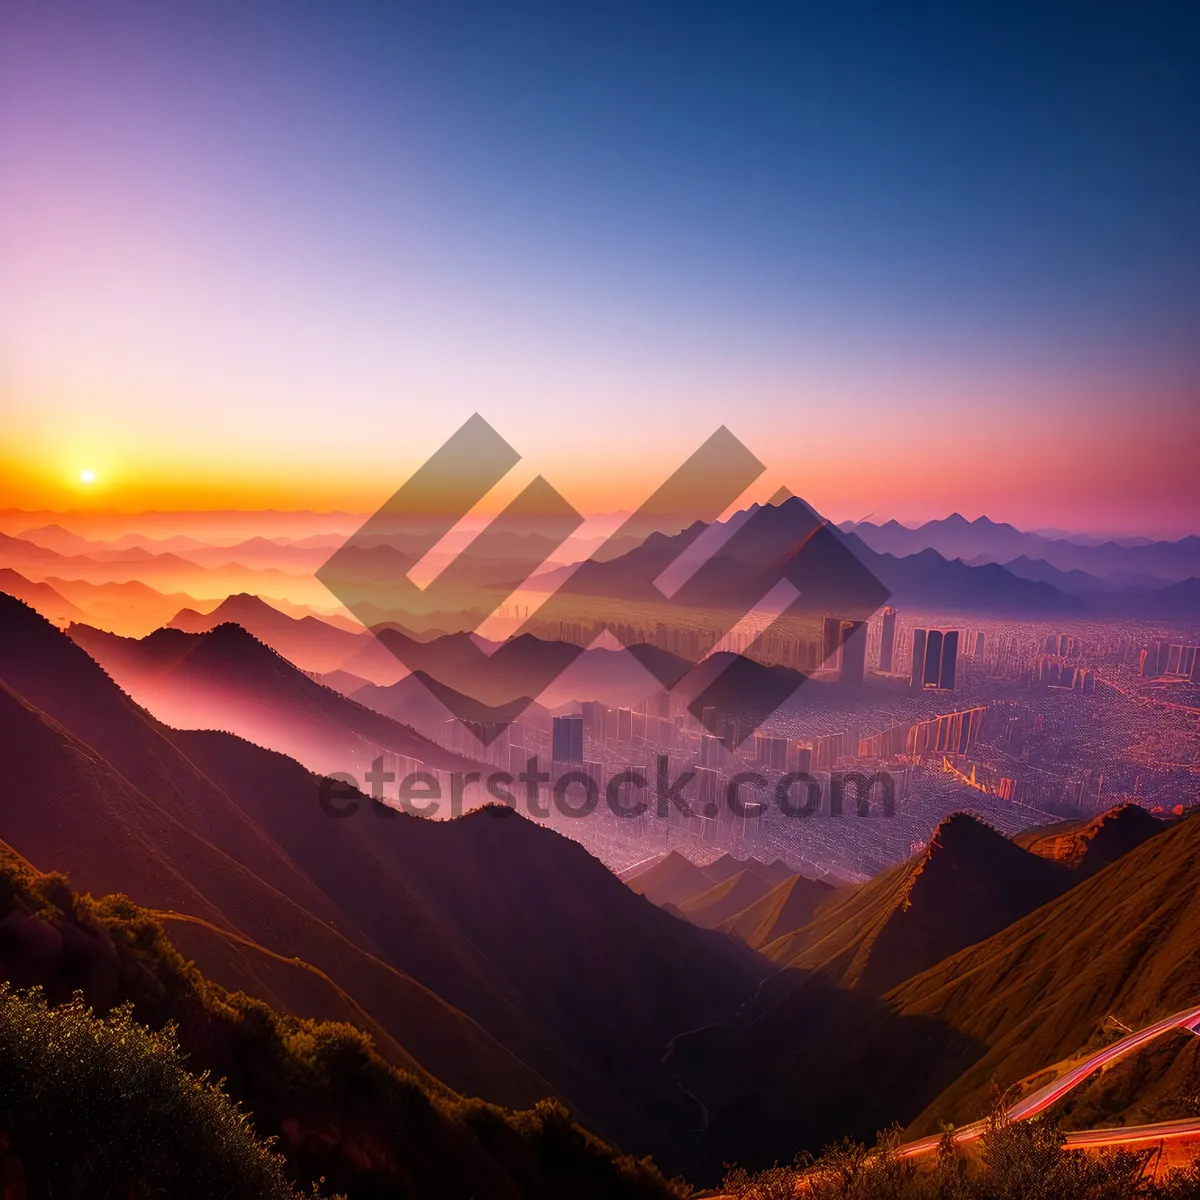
339, 1109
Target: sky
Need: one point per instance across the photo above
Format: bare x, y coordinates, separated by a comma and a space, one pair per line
920, 258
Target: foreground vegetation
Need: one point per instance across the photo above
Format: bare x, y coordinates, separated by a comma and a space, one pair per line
110, 1042
1013, 1161
100, 1106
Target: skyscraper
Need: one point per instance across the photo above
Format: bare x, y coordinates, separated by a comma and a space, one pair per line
917, 678
831, 642
771, 751
935, 658
887, 644
853, 652
567, 739
949, 670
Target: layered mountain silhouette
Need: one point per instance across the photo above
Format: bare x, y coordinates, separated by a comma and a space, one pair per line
788, 906
42, 596
983, 540
227, 679
165, 571
671, 880
131, 609
707, 895
426, 704
790, 539
441, 932
528, 666
309, 643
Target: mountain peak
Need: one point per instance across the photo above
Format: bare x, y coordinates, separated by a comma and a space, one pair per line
1089, 845
246, 603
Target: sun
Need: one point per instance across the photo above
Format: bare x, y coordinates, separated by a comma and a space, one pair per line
88, 476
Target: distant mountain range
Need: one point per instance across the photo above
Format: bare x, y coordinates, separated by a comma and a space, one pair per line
168, 570
983, 540
947, 565
789, 540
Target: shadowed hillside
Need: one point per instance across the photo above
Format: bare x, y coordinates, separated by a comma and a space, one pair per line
785, 908
340, 1112
969, 883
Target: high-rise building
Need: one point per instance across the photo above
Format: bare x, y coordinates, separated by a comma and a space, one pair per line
799, 757
949, 670
1164, 654
887, 643
624, 724
932, 673
853, 648
593, 718
831, 643
771, 752
917, 678
935, 658
567, 739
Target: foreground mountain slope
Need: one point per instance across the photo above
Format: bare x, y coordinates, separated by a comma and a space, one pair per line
73, 745
969, 883
339, 1112
527, 933
1125, 941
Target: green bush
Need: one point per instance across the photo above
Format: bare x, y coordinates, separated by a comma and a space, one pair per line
103, 1106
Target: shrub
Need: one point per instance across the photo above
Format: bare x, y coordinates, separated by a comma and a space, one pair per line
102, 1106
1017, 1161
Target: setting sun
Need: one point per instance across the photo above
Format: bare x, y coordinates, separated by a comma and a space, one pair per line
87, 476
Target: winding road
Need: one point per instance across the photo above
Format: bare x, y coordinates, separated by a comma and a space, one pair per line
1041, 1099
1038, 1101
